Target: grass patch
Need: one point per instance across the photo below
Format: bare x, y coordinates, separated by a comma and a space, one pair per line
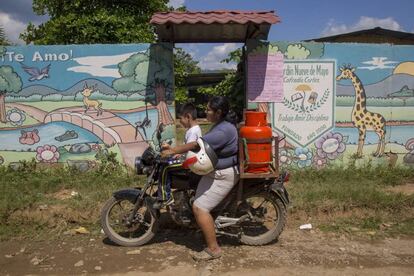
27, 204
403, 227
353, 198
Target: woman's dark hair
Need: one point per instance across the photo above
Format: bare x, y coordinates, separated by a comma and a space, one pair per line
189, 108
221, 103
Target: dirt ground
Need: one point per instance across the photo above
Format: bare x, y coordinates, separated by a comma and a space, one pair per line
297, 252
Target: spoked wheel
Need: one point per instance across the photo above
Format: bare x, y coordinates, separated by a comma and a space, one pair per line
114, 218
266, 218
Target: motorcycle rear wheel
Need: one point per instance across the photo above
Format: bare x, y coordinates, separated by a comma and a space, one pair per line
113, 219
269, 219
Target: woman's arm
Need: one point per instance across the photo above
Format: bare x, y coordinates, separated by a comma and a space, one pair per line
179, 149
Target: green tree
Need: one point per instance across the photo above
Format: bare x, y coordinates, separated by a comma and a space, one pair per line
9, 82
234, 56
149, 74
184, 64
232, 86
93, 21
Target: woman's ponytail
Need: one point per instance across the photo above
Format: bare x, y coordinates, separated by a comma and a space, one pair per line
221, 103
231, 117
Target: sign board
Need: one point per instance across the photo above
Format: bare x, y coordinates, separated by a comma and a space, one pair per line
307, 109
265, 77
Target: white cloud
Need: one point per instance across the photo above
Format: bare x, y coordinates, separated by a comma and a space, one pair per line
364, 22
218, 53
95, 65
176, 3
12, 27
378, 63
192, 49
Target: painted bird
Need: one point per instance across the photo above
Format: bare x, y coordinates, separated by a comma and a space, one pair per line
35, 73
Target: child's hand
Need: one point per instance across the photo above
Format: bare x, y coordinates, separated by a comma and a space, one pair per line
165, 146
167, 153
177, 156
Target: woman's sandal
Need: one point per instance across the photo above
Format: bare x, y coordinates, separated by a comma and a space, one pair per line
206, 255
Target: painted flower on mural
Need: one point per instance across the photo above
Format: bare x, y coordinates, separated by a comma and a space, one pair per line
15, 116
319, 162
285, 157
96, 147
330, 145
303, 157
47, 154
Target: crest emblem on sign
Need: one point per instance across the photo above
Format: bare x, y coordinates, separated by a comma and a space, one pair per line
307, 110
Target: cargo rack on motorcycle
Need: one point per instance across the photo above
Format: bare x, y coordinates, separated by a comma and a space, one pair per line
273, 165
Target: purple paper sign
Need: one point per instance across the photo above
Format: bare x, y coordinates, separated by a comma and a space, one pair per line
265, 77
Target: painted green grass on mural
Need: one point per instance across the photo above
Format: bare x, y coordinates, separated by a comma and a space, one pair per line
116, 105
16, 156
384, 102
28, 121
368, 158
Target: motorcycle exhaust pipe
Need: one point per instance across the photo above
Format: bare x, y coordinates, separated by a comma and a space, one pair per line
222, 221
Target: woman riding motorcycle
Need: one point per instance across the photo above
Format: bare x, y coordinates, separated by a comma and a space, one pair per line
215, 185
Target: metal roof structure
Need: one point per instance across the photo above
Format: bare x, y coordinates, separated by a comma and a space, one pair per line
213, 26
375, 35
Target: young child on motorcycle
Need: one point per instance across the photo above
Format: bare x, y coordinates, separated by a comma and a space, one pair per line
187, 118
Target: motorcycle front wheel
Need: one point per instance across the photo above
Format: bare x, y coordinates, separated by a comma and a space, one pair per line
266, 218
114, 219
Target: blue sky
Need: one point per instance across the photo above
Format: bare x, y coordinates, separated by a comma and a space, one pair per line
301, 19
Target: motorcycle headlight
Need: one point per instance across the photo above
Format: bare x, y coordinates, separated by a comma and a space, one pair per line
139, 166
148, 157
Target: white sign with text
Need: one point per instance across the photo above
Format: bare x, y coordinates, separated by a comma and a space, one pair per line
307, 110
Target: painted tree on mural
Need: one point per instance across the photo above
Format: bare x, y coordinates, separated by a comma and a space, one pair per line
149, 73
9, 82
3, 39
297, 51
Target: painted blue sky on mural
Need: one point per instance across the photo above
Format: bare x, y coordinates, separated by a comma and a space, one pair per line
373, 63
83, 62
300, 20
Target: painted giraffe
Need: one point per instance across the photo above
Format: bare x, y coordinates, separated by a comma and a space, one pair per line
362, 118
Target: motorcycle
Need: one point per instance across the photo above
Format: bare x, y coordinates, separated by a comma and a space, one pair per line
254, 212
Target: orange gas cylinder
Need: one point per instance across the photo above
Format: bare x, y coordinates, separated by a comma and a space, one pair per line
256, 136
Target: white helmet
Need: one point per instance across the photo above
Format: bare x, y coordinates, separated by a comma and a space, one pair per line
202, 162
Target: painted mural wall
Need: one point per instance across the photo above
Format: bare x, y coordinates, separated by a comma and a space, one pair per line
343, 102
73, 104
